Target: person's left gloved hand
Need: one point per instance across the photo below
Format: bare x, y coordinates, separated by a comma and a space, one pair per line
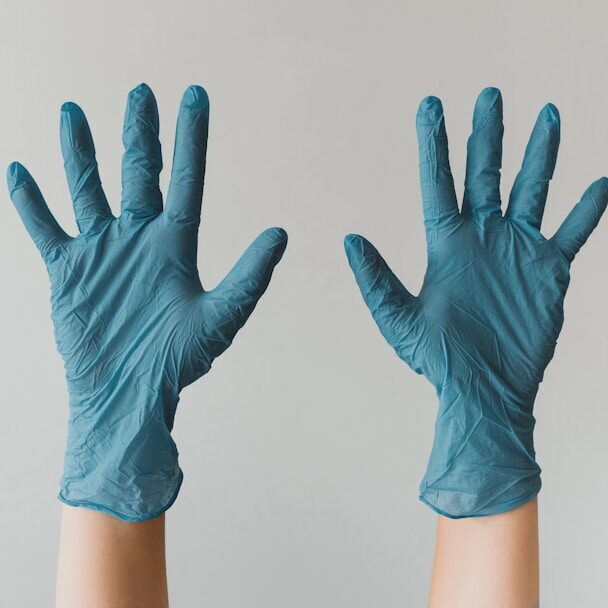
485, 324
132, 322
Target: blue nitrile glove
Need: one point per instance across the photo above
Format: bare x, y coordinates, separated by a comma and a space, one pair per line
485, 323
132, 321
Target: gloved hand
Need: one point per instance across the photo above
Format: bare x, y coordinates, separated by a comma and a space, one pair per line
485, 323
132, 322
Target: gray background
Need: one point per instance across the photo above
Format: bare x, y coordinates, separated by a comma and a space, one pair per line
304, 446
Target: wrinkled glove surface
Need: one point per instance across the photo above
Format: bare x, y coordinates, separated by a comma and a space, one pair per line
132, 321
485, 323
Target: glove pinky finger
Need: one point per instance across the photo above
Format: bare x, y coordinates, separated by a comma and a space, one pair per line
33, 210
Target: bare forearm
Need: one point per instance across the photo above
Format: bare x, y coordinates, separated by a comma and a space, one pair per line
487, 561
108, 563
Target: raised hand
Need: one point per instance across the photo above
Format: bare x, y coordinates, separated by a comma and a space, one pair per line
132, 320
485, 324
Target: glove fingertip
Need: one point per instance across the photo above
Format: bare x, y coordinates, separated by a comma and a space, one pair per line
430, 110
71, 107
358, 246
602, 182
489, 101
196, 96
142, 89
277, 234
273, 241
598, 193
16, 174
351, 240
551, 113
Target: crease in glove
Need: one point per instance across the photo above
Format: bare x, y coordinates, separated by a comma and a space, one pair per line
485, 324
132, 321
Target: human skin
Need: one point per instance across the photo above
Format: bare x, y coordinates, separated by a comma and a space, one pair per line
105, 562
487, 561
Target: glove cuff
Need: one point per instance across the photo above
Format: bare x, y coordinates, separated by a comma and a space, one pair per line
124, 463
137, 511
483, 460
458, 504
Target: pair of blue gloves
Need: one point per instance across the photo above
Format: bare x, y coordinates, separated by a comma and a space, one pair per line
134, 325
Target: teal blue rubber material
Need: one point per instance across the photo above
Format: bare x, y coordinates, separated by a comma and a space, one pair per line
132, 321
485, 324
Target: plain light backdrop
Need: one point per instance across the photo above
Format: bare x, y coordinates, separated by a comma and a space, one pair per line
304, 446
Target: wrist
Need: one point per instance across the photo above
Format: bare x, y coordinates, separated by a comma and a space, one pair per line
107, 562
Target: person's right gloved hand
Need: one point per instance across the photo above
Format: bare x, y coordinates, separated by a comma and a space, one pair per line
132, 322
485, 323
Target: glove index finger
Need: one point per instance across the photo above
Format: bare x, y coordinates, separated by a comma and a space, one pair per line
185, 194
529, 193
436, 181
